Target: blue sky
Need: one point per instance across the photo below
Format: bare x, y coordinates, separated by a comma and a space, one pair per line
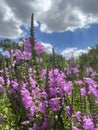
70, 26
80, 38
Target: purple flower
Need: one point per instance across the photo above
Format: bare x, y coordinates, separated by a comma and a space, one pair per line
96, 93
68, 88
28, 102
32, 82
26, 55
54, 104
77, 115
43, 73
14, 85
89, 69
83, 91
1, 80
90, 72
68, 111
40, 60
30, 128
27, 46
89, 81
74, 128
14, 90
1, 71
8, 55
55, 77
1, 120
79, 82
19, 55
88, 124
25, 123
91, 90
44, 95
39, 48
34, 127
52, 92
72, 71
96, 102
42, 106
1, 88
35, 92
45, 123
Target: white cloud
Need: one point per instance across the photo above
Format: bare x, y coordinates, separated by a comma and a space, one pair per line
47, 47
9, 24
53, 15
73, 52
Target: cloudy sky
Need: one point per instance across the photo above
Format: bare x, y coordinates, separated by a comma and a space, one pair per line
70, 26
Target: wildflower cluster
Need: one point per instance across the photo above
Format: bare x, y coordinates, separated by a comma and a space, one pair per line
48, 99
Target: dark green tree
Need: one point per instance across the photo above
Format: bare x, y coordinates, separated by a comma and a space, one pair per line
90, 59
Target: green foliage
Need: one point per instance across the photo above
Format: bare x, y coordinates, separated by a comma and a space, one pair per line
5, 112
90, 59
7, 45
53, 60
